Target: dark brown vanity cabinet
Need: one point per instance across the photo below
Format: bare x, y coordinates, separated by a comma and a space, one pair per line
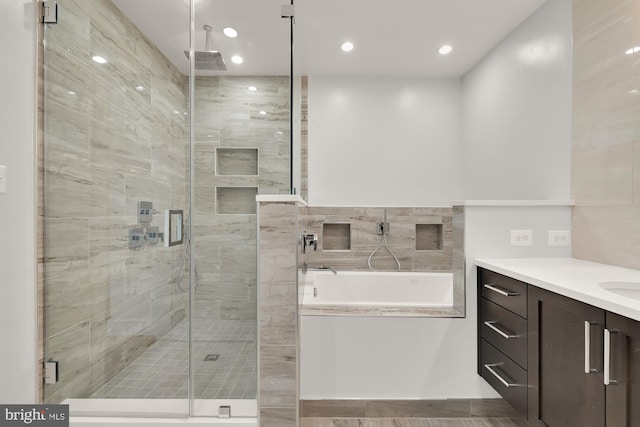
622, 371
566, 379
571, 350
502, 336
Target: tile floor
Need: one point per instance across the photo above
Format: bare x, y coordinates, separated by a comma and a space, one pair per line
412, 422
162, 370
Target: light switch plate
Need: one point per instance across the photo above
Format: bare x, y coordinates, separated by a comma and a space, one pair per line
3, 179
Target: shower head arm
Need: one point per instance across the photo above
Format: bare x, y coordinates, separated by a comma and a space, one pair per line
207, 42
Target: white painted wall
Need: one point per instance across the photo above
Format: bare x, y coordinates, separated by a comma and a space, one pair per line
17, 207
384, 141
515, 145
516, 141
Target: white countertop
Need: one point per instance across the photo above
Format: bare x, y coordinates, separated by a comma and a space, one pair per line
573, 278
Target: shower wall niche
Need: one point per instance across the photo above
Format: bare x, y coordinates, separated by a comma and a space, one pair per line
242, 149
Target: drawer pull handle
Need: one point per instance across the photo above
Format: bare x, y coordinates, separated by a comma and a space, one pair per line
587, 348
501, 291
501, 332
607, 357
506, 383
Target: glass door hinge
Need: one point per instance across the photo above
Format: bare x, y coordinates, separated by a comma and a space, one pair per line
50, 372
50, 12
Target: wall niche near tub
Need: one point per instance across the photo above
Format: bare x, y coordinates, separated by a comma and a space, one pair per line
429, 237
336, 236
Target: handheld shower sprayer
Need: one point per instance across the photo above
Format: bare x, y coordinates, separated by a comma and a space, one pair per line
383, 230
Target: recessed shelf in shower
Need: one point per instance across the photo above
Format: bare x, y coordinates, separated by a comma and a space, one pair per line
236, 200
237, 161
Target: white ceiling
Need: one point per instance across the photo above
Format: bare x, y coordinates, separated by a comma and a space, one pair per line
392, 38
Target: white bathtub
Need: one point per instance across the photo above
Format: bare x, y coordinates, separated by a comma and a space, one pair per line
377, 293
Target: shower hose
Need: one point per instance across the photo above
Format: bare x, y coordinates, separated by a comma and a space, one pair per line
383, 244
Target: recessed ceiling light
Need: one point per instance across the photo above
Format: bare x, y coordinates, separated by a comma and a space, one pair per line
176, 112
347, 47
633, 50
140, 88
634, 92
445, 49
230, 32
252, 88
263, 113
99, 59
236, 59
72, 93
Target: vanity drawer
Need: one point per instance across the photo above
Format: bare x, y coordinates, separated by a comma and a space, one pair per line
505, 376
505, 291
505, 330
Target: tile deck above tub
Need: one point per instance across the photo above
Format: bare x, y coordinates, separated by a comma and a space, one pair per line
388, 311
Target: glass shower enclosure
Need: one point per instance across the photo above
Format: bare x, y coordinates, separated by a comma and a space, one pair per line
152, 163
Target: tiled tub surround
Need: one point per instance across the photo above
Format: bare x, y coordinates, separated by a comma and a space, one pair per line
364, 239
353, 230
107, 145
239, 153
605, 147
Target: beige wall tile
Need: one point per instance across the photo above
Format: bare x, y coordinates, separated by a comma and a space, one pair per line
605, 132
278, 379
603, 175
607, 234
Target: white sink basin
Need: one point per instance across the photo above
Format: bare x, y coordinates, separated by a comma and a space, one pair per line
625, 289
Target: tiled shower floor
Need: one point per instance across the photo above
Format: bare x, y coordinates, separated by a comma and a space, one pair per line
162, 370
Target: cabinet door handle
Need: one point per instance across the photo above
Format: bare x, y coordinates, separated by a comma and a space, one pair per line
501, 291
587, 348
503, 333
507, 383
607, 357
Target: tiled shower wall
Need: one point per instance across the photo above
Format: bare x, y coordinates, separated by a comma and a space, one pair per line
241, 149
107, 145
278, 351
606, 132
421, 238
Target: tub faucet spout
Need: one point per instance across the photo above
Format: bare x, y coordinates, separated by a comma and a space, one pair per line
306, 267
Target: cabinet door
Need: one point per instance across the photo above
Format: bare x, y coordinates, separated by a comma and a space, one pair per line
565, 340
622, 372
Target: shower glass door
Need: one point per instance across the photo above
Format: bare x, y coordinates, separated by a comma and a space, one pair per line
142, 317
116, 148
241, 148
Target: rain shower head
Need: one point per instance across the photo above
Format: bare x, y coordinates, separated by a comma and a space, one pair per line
208, 60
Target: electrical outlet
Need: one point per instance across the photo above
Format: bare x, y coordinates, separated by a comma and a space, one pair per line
559, 237
521, 237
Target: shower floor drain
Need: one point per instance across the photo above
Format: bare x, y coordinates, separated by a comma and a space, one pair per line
211, 357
